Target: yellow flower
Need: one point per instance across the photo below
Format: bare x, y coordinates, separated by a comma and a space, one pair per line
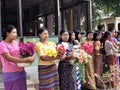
50, 51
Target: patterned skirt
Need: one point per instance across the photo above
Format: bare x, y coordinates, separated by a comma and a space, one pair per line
89, 75
111, 60
48, 77
14, 81
98, 68
66, 78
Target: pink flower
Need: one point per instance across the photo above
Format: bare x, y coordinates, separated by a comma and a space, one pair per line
26, 49
88, 48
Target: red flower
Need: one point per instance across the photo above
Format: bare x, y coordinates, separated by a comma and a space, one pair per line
61, 49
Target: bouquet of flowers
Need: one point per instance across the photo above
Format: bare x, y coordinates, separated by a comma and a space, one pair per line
68, 48
51, 51
80, 54
83, 56
27, 49
61, 49
88, 48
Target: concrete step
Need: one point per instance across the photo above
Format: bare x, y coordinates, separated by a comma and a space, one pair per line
29, 89
1, 86
30, 84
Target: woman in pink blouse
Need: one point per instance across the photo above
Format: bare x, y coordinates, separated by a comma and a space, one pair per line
14, 77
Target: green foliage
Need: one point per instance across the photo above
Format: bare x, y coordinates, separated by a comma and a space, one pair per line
107, 8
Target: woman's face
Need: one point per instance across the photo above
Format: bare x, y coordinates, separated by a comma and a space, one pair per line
73, 36
113, 33
119, 36
116, 34
98, 36
90, 36
12, 35
65, 36
79, 36
44, 35
110, 36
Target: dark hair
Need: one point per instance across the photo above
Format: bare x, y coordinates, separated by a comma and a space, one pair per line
111, 29
83, 33
106, 34
70, 39
77, 32
8, 29
95, 35
41, 30
61, 32
88, 33
100, 27
118, 33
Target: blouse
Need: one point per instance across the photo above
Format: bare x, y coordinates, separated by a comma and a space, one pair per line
109, 48
14, 51
40, 49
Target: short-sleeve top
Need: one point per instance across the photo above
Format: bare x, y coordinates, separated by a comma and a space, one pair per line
8, 66
40, 49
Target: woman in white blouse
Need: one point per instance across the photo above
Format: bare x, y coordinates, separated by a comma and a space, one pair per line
110, 51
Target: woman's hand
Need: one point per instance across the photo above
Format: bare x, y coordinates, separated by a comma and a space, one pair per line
30, 59
59, 55
63, 57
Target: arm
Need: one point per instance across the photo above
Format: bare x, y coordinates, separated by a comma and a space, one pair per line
10, 58
113, 47
77, 42
40, 52
69, 57
4, 51
47, 58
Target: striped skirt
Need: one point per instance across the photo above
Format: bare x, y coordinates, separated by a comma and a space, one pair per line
48, 77
14, 81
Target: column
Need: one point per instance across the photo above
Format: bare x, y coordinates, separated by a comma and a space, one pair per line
19, 12
45, 22
79, 18
3, 6
0, 22
71, 19
57, 17
62, 16
50, 24
88, 16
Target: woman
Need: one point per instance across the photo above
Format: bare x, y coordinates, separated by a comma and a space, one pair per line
78, 37
89, 67
14, 77
97, 57
65, 68
76, 63
118, 40
71, 38
48, 74
110, 51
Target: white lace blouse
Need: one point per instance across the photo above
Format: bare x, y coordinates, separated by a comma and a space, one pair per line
109, 48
